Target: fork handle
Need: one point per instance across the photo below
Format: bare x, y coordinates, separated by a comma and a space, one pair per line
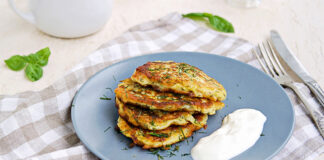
318, 92
317, 117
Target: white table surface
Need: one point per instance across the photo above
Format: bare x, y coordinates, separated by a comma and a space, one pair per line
301, 24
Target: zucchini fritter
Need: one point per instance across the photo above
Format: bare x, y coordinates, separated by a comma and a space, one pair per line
131, 92
160, 138
180, 78
152, 119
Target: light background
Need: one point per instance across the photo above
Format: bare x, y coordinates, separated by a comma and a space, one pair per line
299, 22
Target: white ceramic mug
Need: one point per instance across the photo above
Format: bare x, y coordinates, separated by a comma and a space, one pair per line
67, 18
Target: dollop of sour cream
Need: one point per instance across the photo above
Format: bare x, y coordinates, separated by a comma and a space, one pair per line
239, 131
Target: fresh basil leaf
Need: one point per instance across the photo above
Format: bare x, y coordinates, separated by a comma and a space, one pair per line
223, 24
196, 17
212, 20
35, 63
43, 56
16, 62
34, 72
189, 15
215, 22
31, 58
40, 57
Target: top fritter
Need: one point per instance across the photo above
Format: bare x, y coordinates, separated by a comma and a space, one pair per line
180, 78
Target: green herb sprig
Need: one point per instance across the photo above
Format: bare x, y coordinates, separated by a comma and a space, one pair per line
183, 136
176, 148
152, 122
156, 152
185, 154
213, 21
104, 97
160, 135
107, 129
34, 62
110, 90
160, 153
171, 154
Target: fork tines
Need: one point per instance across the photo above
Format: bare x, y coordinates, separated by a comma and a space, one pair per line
270, 63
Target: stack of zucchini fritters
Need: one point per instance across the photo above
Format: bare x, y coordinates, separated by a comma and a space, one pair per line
165, 102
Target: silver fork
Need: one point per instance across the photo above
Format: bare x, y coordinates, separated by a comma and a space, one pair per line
273, 68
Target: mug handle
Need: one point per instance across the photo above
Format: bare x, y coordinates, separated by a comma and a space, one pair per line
27, 16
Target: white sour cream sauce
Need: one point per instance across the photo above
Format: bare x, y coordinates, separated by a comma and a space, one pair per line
239, 131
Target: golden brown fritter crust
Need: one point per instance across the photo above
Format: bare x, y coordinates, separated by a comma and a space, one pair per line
152, 119
161, 138
131, 92
180, 78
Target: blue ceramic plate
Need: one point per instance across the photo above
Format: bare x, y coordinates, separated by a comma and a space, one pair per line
94, 120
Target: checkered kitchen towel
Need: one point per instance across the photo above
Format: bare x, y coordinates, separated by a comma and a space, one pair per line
37, 125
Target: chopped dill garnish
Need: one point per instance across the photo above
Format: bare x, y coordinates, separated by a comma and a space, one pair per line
156, 152
72, 105
104, 97
107, 129
125, 148
262, 134
182, 133
126, 92
181, 67
159, 135
159, 157
179, 137
153, 69
176, 148
152, 123
184, 137
239, 97
186, 154
171, 154
114, 78
197, 122
202, 132
110, 90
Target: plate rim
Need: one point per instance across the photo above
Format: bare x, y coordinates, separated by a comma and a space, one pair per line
101, 156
